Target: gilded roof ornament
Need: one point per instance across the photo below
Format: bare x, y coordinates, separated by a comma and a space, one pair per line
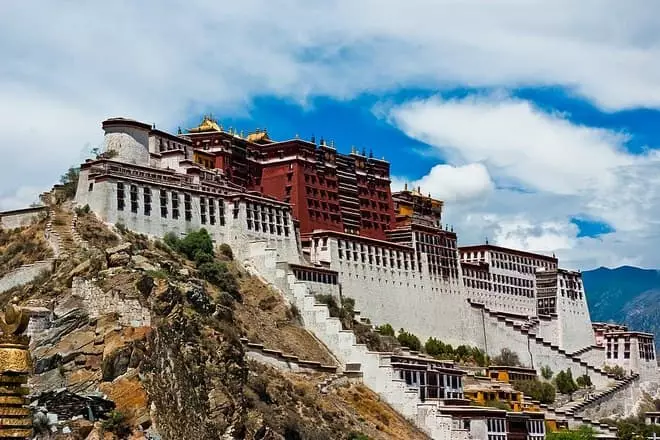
15, 367
208, 124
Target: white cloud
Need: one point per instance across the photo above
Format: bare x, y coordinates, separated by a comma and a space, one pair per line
68, 65
451, 183
563, 170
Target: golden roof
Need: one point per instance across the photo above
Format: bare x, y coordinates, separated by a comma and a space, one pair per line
208, 124
258, 136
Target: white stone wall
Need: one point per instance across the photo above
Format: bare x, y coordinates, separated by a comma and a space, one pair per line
102, 199
25, 274
575, 327
406, 298
131, 144
22, 218
534, 353
501, 302
622, 403
98, 303
647, 369
548, 329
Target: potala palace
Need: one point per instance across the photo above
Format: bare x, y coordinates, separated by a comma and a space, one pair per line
310, 220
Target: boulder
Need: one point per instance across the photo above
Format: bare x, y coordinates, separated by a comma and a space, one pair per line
124, 247
142, 263
119, 259
81, 268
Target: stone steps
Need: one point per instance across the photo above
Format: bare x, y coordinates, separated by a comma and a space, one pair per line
539, 340
377, 372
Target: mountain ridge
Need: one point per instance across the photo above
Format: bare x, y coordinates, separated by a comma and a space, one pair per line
626, 294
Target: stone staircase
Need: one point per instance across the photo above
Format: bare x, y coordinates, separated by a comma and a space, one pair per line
577, 362
376, 367
62, 221
578, 406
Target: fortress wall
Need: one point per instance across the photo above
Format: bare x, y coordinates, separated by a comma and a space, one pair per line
130, 311
24, 274
22, 217
575, 327
502, 302
408, 298
534, 353
549, 330
102, 199
622, 403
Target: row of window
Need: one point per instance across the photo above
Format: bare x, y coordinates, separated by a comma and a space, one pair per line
315, 277
264, 218
211, 211
351, 250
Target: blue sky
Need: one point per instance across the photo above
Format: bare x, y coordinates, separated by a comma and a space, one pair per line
535, 121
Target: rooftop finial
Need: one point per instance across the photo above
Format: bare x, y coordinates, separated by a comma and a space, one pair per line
364, 152
405, 186
371, 153
178, 130
313, 139
322, 142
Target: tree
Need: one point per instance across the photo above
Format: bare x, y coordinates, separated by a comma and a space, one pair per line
544, 392
584, 433
507, 357
616, 370
69, 181
434, 347
546, 372
583, 381
565, 383
409, 340
196, 242
385, 330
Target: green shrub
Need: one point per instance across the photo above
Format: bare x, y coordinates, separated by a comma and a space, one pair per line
226, 251
385, 330
498, 404
546, 372
583, 381
507, 357
565, 383
409, 340
196, 242
544, 392
117, 424
218, 274
616, 370
358, 436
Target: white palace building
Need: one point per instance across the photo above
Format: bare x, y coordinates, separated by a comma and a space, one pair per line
310, 220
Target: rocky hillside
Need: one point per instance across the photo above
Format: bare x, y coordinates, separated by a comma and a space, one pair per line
133, 338
626, 294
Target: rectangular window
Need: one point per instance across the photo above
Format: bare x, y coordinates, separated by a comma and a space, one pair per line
212, 211
134, 199
175, 205
221, 212
147, 201
202, 209
121, 196
163, 203
187, 207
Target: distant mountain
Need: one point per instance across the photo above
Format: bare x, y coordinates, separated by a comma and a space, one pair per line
628, 295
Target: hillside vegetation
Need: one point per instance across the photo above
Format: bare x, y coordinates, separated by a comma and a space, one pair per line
182, 372
23, 246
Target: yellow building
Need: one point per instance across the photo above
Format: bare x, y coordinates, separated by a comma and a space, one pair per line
505, 373
485, 391
204, 159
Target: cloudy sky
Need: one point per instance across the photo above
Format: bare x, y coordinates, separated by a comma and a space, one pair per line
535, 120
